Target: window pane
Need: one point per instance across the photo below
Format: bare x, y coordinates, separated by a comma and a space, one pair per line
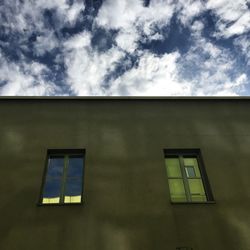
173, 167
198, 198
55, 166
192, 162
177, 190
75, 167
51, 200
73, 187
190, 172
72, 199
197, 190
52, 188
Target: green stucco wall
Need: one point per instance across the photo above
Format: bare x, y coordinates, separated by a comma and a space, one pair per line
126, 195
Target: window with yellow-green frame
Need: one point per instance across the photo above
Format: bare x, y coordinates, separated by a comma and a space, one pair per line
63, 177
187, 178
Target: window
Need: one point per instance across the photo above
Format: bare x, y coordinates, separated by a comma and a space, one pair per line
63, 178
186, 176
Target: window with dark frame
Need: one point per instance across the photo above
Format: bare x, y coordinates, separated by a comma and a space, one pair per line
63, 177
187, 178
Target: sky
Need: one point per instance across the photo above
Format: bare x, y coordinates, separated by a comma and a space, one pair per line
125, 47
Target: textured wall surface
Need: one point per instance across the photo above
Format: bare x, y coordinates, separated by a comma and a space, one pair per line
126, 196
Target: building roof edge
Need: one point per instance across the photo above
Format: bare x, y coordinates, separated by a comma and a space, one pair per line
124, 97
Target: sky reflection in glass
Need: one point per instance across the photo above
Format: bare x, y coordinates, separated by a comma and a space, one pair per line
56, 165
75, 166
64, 179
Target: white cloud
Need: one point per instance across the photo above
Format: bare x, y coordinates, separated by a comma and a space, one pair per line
206, 69
154, 75
45, 43
133, 19
243, 43
66, 12
188, 9
210, 70
24, 79
229, 10
232, 87
74, 11
162, 76
233, 17
27, 18
78, 41
127, 39
197, 27
123, 14
240, 26
86, 68
209, 66
117, 14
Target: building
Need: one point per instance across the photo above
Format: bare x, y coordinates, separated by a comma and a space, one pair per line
128, 201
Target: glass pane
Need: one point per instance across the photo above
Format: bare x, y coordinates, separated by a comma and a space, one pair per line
177, 190
190, 172
72, 199
55, 166
52, 188
197, 190
51, 200
198, 198
192, 162
73, 187
173, 167
75, 167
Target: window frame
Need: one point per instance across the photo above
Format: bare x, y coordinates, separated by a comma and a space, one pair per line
181, 154
65, 153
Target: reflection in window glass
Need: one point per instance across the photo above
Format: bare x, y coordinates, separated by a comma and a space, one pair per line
192, 162
64, 179
177, 190
55, 166
75, 166
73, 187
52, 188
50, 200
173, 167
197, 190
190, 171
72, 199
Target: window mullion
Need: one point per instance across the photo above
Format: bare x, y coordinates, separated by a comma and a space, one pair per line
185, 180
64, 176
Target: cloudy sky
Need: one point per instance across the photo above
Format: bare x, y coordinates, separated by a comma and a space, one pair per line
125, 47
